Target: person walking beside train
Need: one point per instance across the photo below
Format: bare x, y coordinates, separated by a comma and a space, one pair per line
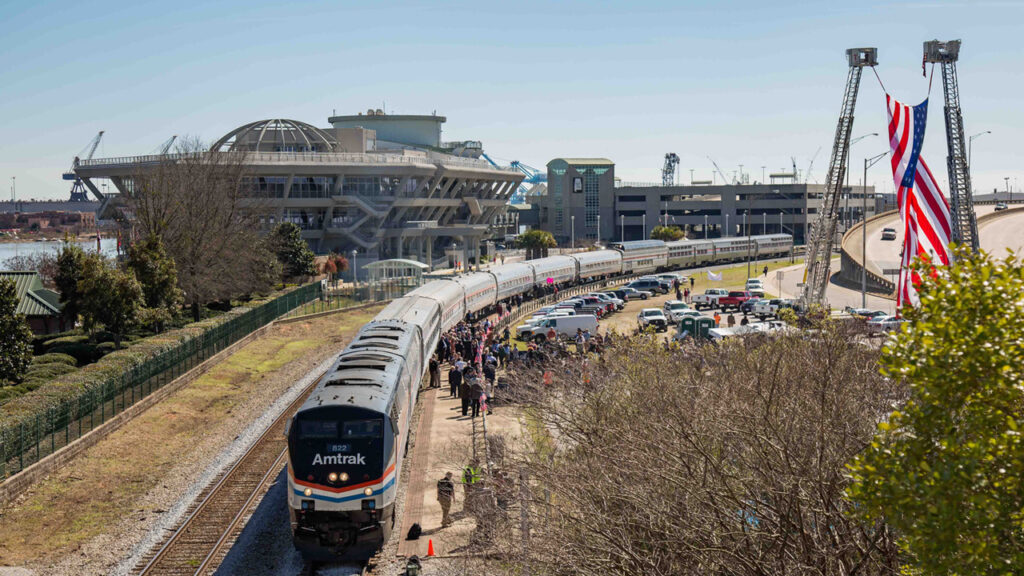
435, 373
465, 391
454, 381
476, 390
445, 497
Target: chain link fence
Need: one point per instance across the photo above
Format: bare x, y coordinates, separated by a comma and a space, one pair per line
35, 437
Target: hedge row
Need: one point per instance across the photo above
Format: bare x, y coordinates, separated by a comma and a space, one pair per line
69, 386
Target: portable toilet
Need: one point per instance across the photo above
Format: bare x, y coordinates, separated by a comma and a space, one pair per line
687, 324
704, 326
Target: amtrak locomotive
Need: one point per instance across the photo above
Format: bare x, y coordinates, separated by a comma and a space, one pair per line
348, 441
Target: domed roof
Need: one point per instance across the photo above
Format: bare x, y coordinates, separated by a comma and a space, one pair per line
276, 135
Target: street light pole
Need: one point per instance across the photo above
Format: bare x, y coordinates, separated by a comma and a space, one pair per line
1009, 195
747, 226
572, 222
355, 271
970, 144
598, 228
644, 237
849, 191
868, 162
725, 230
705, 226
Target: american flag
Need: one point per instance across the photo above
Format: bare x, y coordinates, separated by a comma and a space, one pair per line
924, 211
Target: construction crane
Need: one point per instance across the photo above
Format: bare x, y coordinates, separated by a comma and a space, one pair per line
78, 191
822, 234
961, 202
668, 171
725, 179
163, 148
807, 175
533, 176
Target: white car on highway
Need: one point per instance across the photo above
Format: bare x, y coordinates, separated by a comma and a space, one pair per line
880, 324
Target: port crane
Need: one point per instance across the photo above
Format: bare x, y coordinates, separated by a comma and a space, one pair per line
78, 191
533, 176
163, 148
961, 202
821, 236
725, 179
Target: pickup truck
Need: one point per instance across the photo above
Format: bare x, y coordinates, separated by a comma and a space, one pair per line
584, 305
734, 299
709, 299
765, 308
652, 317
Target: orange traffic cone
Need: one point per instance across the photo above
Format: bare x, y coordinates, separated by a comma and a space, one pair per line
430, 547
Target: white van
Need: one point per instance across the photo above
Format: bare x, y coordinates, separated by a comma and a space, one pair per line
565, 326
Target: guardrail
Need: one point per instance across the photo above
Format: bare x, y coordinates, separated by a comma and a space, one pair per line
34, 437
300, 157
850, 268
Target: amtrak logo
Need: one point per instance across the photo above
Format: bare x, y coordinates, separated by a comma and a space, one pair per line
339, 459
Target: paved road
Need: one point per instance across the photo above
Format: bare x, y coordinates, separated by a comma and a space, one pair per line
1002, 232
885, 254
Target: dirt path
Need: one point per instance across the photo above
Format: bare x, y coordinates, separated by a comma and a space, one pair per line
92, 514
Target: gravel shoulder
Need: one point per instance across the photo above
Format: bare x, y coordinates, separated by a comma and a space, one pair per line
99, 511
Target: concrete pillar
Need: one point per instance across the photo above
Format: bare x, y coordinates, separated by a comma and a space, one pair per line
400, 242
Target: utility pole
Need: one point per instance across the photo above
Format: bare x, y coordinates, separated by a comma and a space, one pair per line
822, 236
868, 163
961, 202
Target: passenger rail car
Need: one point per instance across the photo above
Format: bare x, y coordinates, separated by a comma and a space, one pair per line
597, 263
481, 290
347, 442
451, 297
560, 269
680, 253
640, 256
512, 279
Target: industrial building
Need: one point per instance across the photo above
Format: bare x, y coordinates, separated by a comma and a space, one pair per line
384, 185
584, 200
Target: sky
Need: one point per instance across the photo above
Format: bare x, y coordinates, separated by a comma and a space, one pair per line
746, 82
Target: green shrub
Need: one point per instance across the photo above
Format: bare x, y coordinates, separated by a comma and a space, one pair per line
84, 353
49, 345
49, 371
54, 359
39, 342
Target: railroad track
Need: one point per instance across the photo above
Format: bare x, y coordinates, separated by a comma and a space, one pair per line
210, 527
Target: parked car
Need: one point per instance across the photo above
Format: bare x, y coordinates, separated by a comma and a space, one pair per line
1001, 206
525, 330
734, 299
607, 297
652, 317
564, 326
864, 313
618, 293
634, 294
709, 299
674, 309
881, 324
673, 277
754, 283
888, 233
652, 285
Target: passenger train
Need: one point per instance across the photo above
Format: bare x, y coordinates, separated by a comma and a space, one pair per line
348, 441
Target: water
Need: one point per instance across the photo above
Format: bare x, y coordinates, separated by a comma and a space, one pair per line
108, 246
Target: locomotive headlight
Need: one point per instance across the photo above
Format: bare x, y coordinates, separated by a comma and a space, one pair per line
343, 477
333, 477
308, 491
368, 491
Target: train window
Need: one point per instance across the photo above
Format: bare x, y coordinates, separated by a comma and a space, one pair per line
356, 429
318, 429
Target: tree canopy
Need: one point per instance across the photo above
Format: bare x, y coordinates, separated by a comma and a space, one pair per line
110, 297
667, 233
946, 469
15, 336
535, 242
70, 262
292, 251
